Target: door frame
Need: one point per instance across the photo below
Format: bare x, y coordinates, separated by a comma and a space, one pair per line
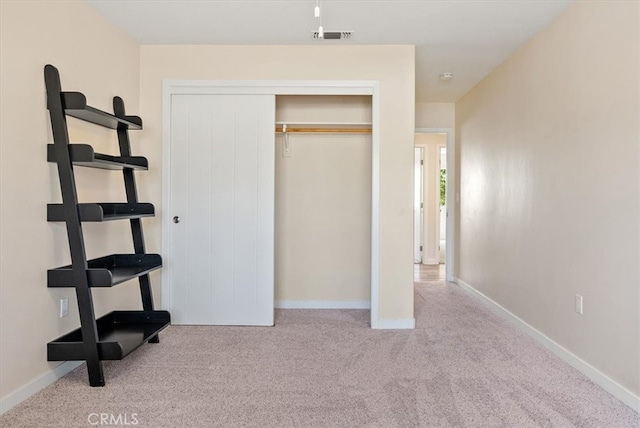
274, 87
452, 199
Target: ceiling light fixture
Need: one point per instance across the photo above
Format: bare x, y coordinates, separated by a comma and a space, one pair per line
446, 76
316, 13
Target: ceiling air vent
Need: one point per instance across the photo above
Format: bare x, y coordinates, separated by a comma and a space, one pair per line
333, 35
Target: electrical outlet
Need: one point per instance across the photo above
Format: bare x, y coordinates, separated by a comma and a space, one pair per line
579, 304
64, 307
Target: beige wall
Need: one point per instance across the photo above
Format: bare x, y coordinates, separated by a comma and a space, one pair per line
330, 109
95, 58
431, 194
323, 203
550, 186
435, 115
393, 66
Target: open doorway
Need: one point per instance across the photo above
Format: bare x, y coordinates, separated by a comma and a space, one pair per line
431, 206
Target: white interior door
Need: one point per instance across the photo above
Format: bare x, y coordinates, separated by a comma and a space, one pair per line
221, 255
417, 204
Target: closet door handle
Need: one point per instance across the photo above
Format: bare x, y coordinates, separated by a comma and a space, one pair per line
176, 219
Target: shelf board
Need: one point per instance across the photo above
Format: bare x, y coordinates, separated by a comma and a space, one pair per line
75, 105
83, 155
327, 124
103, 211
107, 271
324, 127
119, 334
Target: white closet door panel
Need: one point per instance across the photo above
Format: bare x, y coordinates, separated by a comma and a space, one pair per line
198, 188
222, 238
176, 261
265, 222
222, 181
245, 227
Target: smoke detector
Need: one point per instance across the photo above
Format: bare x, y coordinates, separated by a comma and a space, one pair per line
332, 35
446, 76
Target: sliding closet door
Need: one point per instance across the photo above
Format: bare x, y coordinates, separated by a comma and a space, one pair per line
221, 256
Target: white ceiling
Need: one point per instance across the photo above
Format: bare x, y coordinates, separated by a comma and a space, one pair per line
468, 38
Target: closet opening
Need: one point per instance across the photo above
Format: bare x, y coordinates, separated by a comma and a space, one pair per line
219, 178
323, 203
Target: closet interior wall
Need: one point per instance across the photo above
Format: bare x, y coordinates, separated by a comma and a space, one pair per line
323, 203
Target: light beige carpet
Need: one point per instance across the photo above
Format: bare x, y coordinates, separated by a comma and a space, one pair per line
462, 367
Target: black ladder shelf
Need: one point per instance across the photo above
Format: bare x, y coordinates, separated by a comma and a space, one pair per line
116, 334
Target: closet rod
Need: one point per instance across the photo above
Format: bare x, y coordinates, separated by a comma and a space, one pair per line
325, 130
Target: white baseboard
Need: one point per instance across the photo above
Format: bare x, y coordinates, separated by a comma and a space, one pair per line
16, 397
400, 324
431, 262
601, 379
323, 304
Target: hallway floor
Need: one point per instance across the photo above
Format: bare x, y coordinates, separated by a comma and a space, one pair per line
423, 273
